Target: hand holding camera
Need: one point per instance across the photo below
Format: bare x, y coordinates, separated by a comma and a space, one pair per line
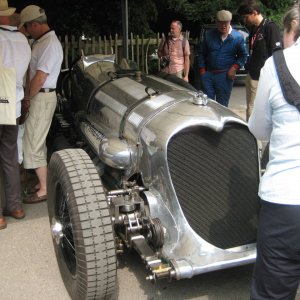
164, 62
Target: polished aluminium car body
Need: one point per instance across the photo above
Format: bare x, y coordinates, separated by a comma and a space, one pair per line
193, 163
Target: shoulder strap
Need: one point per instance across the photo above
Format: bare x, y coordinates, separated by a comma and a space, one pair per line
183, 45
166, 43
289, 86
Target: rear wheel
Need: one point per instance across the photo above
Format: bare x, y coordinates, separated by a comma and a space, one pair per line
81, 226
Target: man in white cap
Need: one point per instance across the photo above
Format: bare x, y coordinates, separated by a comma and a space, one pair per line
45, 64
222, 53
14, 53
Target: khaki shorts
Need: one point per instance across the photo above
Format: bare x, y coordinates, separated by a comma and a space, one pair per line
178, 74
42, 107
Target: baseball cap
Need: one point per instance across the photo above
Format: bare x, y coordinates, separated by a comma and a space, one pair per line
5, 10
30, 13
224, 16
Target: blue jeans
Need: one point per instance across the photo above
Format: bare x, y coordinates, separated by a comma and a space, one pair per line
217, 86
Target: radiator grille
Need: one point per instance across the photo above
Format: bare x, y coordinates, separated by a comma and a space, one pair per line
215, 176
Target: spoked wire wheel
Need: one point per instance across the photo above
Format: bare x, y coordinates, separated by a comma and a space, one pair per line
81, 226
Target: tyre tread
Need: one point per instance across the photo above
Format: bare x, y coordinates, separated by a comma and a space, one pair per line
90, 217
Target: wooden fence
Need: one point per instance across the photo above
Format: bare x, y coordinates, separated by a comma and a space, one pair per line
139, 48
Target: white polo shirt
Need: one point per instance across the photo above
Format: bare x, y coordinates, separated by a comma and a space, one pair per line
47, 56
15, 53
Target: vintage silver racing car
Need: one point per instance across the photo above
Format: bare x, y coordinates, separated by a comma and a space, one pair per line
148, 164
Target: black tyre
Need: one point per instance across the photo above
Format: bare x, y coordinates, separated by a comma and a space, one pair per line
81, 226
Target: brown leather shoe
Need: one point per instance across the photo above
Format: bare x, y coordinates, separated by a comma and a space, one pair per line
3, 223
34, 198
17, 214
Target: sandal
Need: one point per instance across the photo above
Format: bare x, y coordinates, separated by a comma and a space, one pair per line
31, 190
34, 198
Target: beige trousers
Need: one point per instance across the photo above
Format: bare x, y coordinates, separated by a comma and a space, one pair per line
42, 107
251, 87
179, 74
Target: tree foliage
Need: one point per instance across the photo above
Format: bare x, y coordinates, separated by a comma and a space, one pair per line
145, 16
204, 11
94, 17
276, 9
103, 17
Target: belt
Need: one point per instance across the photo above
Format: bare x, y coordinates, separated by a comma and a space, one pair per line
44, 90
217, 71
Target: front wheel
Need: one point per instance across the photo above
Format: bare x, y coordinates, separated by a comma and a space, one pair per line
81, 226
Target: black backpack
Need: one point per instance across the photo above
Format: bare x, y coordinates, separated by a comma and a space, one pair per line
289, 86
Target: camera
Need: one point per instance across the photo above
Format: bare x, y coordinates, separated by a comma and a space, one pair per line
165, 61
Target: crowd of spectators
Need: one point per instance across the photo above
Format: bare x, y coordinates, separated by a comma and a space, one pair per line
37, 68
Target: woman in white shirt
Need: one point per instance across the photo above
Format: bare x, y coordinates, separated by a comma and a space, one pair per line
277, 270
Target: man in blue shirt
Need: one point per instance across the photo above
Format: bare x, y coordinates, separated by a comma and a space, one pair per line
222, 53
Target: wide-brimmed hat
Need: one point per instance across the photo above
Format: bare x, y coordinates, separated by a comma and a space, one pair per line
30, 13
5, 10
224, 16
